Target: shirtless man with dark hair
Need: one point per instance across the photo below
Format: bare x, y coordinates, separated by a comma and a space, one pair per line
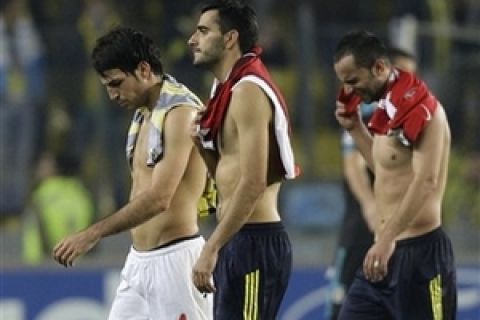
244, 138
409, 271
168, 178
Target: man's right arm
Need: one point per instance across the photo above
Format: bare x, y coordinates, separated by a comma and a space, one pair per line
359, 132
356, 175
166, 177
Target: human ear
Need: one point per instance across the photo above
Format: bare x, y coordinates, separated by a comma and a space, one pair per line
143, 70
230, 38
378, 67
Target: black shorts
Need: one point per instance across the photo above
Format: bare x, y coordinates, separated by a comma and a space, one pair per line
252, 273
347, 262
420, 284
354, 241
351, 253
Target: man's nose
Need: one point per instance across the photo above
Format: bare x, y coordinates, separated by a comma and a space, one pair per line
112, 94
191, 41
348, 88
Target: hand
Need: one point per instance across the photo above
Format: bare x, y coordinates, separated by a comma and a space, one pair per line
67, 250
203, 270
347, 120
195, 127
375, 264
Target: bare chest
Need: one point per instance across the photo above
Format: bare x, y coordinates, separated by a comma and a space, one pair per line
140, 171
389, 154
227, 140
228, 166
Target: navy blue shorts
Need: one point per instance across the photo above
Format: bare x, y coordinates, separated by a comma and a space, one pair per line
347, 261
420, 284
252, 273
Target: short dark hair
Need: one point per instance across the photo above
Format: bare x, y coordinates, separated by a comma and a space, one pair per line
124, 48
364, 46
236, 14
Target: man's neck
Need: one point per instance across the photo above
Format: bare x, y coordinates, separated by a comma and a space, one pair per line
390, 77
153, 93
222, 70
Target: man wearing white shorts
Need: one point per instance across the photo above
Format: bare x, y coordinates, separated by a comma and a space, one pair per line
163, 274
168, 179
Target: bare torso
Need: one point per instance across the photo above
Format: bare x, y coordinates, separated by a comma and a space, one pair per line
228, 169
181, 218
394, 173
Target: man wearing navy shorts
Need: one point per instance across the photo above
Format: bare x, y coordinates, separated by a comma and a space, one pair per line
408, 273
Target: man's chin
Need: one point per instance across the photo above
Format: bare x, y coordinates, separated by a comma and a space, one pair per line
200, 64
127, 106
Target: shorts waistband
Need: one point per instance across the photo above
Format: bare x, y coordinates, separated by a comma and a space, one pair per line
435, 234
172, 242
263, 227
174, 245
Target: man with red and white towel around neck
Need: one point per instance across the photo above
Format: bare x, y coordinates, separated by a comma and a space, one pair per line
409, 271
243, 136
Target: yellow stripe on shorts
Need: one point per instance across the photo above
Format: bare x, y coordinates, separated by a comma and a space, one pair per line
436, 297
250, 306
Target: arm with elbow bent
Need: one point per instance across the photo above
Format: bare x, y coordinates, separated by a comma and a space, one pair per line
363, 141
253, 139
358, 180
356, 128
166, 177
426, 167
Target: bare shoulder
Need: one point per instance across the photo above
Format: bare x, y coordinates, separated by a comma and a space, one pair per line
248, 99
180, 116
440, 114
182, 112
439, 119
438, 126
178, 121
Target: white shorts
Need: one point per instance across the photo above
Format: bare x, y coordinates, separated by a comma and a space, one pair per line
158, 285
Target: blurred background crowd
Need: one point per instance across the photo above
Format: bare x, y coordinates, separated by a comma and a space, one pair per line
62, 162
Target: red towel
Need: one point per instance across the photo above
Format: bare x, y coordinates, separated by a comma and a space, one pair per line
212, 120
249, 64
350, 100
406, 108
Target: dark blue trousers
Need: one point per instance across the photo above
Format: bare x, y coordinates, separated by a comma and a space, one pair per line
252, 273
420, 285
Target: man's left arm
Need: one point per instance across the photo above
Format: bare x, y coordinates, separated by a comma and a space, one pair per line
426, 167
251, 113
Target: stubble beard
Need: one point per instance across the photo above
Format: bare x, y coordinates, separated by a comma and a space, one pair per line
375, 94
209, 59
